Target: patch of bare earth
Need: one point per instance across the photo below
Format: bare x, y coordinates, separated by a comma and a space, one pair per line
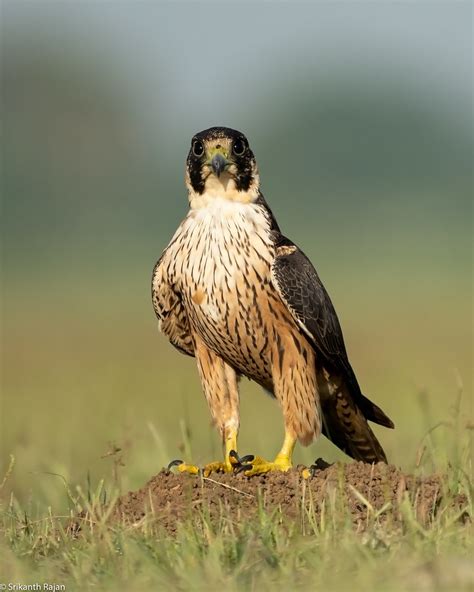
364, 490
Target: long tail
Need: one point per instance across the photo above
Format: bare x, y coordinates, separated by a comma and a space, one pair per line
345, 424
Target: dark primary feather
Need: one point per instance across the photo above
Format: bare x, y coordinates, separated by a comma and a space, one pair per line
304, 294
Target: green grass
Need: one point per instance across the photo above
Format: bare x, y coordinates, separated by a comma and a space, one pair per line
92, 395
321, 551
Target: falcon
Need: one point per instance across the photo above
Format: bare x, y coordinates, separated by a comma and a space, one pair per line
231, 290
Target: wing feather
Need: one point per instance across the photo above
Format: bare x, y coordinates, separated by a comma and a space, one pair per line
301, 289
170, 310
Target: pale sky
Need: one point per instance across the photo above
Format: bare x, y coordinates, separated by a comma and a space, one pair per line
213, 58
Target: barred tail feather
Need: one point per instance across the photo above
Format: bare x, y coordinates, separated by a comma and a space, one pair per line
345, 425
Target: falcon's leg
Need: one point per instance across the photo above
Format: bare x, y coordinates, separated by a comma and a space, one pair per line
219, 382
256, 465
295, 387
230, 461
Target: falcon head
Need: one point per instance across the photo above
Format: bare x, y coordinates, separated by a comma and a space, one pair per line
220, 164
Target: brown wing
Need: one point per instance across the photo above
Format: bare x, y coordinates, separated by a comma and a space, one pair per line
302, 291
345, 408
169, 308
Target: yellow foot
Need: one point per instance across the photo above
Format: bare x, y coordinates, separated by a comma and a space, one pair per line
256, 465
227, 466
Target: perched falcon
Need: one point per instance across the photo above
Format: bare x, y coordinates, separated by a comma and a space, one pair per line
231, 290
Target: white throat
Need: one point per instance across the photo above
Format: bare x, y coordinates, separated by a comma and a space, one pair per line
222, 188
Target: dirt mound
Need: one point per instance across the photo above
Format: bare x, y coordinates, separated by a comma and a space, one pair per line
381, 491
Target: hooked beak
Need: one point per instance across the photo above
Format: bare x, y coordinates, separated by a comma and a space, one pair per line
218, 164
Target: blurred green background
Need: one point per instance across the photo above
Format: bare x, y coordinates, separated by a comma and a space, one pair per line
360, 115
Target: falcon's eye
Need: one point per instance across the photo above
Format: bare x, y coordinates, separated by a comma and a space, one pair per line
239, 147
198, 148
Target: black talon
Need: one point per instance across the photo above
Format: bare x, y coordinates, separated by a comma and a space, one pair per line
174, 463
318, 465
241, 459
240, 468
